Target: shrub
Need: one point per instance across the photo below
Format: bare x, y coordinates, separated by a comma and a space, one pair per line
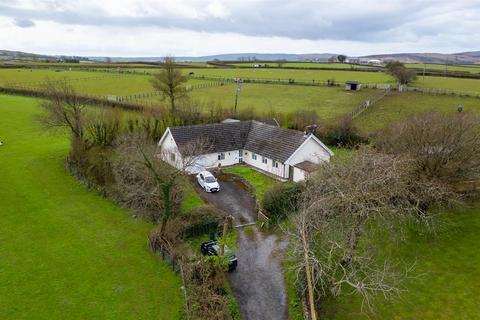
343, 134
282, 200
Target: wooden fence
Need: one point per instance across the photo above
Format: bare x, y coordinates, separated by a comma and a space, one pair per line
367, 104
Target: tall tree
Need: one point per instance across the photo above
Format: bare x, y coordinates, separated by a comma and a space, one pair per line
170, 82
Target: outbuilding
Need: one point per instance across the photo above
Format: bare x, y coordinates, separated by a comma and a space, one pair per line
353, 86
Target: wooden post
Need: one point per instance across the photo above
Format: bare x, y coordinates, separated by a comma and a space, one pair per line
222, 247
311, 298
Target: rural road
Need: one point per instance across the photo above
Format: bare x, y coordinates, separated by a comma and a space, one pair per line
258, 283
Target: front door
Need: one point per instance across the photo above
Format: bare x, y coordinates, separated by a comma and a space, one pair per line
290, 172
240, 156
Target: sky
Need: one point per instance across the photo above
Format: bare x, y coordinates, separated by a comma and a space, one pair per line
129, 28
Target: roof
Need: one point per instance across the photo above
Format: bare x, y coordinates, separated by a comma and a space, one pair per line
221, 136
306, 166
352, 82
270, 141
273, 142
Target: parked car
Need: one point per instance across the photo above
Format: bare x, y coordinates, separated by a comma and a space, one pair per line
211, 248
207, 181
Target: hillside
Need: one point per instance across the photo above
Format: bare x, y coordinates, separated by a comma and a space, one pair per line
459, 58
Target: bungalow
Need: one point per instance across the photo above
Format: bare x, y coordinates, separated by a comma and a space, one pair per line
284, 153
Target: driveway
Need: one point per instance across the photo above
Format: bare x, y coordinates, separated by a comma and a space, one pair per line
257, 283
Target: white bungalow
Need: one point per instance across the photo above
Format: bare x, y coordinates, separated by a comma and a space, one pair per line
283, 153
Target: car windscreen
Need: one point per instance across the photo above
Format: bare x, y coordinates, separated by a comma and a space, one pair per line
210, 179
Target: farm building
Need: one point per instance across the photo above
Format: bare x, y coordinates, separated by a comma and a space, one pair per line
282, 153
352, 85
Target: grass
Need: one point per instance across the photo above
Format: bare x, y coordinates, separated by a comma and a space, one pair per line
305, 65
67, 253
192, 200
400, 106
330, 103
308, 75
450, 285
259, 181
458, 84
441, 67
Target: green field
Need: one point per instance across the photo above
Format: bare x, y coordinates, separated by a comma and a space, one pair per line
305, 65
329, 103
399, 106
66, 252
449, 284
432, 66
458, 84
305, 75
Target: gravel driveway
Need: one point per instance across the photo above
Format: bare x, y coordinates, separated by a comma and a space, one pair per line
258, 283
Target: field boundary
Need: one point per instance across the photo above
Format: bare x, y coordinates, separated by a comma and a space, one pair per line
369, 103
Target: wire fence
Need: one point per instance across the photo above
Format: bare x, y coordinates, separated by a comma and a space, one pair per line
150, 94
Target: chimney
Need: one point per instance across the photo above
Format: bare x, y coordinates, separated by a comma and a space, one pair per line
309, 130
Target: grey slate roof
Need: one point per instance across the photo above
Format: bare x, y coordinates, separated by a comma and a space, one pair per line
307, 166
272, 142
221, 136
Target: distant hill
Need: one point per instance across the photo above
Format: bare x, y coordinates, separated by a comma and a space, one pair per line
24, 56
472, 57
233, 57
457, 58
470, 54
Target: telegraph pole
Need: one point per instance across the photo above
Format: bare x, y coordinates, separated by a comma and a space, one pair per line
237, 91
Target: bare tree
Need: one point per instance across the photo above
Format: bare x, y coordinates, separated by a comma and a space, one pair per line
442, 146
170, 82
335, 229
149, 184
64, 109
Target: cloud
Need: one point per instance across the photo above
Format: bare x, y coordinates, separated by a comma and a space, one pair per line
23, 23
365, 25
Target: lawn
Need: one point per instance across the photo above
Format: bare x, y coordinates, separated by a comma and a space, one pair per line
259, 181
67, 253
448, 262
400, 106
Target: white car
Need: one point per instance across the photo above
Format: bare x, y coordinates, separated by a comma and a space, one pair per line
207, 181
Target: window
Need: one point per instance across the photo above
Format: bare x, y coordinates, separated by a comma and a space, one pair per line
172, 156
254, 156
221, 156
275, 164
264, 160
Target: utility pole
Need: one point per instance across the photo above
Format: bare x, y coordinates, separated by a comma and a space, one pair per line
424, 67
237, 91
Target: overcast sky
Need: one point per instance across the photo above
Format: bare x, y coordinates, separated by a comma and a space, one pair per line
197, 27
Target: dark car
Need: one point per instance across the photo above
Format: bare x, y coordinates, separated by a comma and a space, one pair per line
211, 248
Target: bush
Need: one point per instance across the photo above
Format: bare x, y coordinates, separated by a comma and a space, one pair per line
193, 223
343, 134
282, 200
